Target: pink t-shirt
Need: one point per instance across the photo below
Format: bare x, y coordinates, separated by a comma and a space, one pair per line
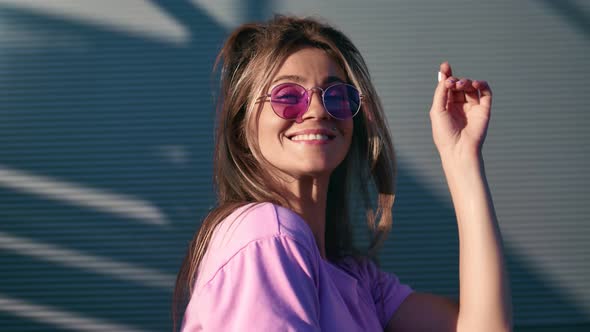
263, 272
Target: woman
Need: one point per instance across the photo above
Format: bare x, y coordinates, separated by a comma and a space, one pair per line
300, 126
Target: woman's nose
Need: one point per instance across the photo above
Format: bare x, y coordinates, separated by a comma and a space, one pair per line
316, 105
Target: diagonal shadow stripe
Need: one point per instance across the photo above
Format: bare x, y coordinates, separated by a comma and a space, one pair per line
96, 264
59, 318
76, 194
572, 14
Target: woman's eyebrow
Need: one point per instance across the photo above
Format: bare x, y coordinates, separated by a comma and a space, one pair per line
294, 78
301, 80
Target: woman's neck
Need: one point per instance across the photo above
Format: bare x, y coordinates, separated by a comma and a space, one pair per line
309, 199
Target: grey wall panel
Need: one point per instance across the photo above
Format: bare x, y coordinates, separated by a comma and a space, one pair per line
107, 132
104, 167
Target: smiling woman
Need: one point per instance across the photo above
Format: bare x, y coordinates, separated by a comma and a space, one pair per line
309, 148
298, 122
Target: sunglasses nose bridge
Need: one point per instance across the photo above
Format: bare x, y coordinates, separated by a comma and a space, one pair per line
320, 93
319, 109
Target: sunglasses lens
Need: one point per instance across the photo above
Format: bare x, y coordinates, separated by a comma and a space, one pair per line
288, 100
342, 101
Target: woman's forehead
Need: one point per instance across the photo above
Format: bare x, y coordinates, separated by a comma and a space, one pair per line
310, 64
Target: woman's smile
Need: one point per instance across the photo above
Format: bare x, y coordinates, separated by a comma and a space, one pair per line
318, 136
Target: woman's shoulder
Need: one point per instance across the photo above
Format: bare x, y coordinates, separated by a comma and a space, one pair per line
256, 221
252, 223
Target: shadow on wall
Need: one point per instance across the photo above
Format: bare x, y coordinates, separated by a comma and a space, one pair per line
571, 13
425, 230
132, 119
96, 114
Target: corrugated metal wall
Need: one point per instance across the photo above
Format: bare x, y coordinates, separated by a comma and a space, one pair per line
106, 136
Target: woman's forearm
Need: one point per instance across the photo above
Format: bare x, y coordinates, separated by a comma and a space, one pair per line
485, 300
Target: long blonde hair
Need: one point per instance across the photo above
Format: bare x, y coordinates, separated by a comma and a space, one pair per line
249, 59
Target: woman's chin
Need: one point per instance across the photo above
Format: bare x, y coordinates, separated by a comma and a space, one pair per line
312, 171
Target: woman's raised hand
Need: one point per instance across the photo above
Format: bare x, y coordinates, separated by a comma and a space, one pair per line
460, 114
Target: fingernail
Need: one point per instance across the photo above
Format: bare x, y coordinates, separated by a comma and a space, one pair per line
460, 83
439, 76
451, 80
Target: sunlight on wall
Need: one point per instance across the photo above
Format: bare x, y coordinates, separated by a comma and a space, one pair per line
80, 195
135, 17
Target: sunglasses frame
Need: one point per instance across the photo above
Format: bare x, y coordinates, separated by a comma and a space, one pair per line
309, 96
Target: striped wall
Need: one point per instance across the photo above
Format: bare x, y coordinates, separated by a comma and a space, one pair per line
106, 138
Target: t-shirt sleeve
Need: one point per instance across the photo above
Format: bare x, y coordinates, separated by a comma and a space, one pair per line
387, 291
269, 285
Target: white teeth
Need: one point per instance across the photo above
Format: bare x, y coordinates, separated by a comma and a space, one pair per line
310, 137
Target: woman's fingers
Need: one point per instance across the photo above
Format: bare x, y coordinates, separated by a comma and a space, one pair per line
445, 69
439, 101
455, 94
463, 90
451, 89
470, 93
485, 92
464, 84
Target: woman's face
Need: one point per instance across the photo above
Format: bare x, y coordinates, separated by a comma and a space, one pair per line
294, 148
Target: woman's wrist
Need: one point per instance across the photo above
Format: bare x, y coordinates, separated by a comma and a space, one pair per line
460, 158
462, 167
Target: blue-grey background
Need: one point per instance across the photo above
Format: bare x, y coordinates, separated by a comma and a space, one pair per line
106, 138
